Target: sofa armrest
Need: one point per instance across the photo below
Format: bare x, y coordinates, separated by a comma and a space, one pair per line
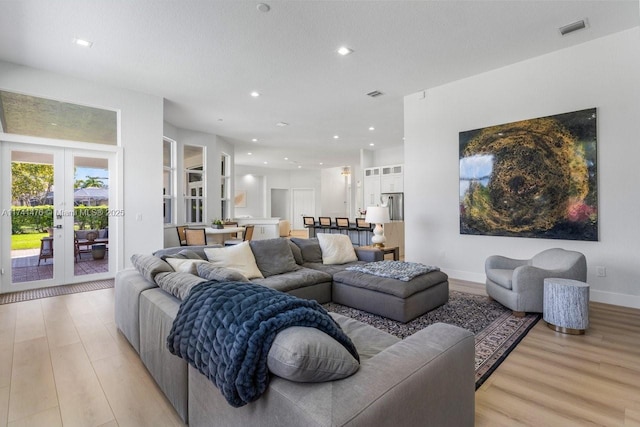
369, 255
503, 263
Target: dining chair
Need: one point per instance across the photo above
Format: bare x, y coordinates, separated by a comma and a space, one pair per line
195, 237
181, 235
246, 236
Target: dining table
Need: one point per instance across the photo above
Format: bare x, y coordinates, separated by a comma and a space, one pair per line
219, 235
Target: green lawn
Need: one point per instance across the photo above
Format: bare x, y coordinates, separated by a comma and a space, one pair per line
27, 241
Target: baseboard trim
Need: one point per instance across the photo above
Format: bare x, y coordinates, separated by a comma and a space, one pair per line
623, 300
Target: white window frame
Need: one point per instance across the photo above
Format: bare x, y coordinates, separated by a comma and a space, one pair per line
171, 198
200, 187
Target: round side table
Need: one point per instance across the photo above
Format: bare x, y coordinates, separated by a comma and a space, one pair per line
566, 305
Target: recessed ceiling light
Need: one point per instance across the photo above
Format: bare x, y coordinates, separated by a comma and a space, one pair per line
254, 140
266, 163
286, 158
282, 124
249, 154
82, 42
372, 128
255, 94
53, 124
321, 163
299, 167
335, 137
344, 51
371, 144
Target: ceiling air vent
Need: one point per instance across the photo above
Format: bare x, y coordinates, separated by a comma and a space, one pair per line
374, 93
574, 26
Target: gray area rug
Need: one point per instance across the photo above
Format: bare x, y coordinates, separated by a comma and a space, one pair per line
55, 291
496, 330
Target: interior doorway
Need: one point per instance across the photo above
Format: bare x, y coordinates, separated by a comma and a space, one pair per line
303, 201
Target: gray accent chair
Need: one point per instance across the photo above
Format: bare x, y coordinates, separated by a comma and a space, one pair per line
518, 283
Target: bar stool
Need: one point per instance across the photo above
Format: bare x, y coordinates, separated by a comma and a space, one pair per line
362, 225
324, 223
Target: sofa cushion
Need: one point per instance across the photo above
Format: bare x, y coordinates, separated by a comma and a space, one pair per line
310, 249
368, 340
336, 248
501, 277
149, 265
178, 284
300, 278
182, 265
304, 354
237, 257
273, 256
183, 254
220, 274
297, 253
330, 268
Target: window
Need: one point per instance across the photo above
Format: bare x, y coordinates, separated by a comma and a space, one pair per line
225, 182
194, 194
169, 180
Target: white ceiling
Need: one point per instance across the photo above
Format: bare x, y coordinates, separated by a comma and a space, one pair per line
205, 57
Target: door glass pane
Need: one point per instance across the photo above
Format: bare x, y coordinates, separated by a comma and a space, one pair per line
91, 215
31, 216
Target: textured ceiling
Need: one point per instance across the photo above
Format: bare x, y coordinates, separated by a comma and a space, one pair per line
205, 57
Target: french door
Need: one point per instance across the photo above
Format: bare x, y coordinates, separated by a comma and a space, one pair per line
57, 211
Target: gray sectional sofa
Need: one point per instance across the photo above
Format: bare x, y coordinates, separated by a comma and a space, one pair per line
425, 379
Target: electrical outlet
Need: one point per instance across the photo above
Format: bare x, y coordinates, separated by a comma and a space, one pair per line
601, 271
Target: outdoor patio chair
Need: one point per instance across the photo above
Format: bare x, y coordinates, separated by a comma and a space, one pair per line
46, 249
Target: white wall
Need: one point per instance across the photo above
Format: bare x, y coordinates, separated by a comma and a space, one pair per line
284, 180
603, 74
388, 156
335, 193
141, 137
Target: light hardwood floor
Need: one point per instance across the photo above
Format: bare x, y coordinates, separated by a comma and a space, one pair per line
62, 362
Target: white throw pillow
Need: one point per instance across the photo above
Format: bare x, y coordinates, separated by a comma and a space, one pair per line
336, 248
185, 265
237, 257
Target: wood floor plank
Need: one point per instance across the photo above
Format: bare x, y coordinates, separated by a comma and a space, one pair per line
82, 400
133, 395
32, 384
4, 405
47, 418
29, 321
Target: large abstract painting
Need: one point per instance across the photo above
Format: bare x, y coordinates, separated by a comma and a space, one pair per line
533, 178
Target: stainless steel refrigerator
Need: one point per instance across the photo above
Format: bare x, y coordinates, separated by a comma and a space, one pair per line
395, 203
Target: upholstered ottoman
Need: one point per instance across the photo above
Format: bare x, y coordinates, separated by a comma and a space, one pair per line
392, 298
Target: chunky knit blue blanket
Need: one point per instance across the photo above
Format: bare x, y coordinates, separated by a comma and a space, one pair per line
225, 330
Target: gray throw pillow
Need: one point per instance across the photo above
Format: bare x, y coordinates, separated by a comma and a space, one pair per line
310, 249
183, 254
273, 256
303, 354
178, 284
220, 274
297, 253
149, 265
